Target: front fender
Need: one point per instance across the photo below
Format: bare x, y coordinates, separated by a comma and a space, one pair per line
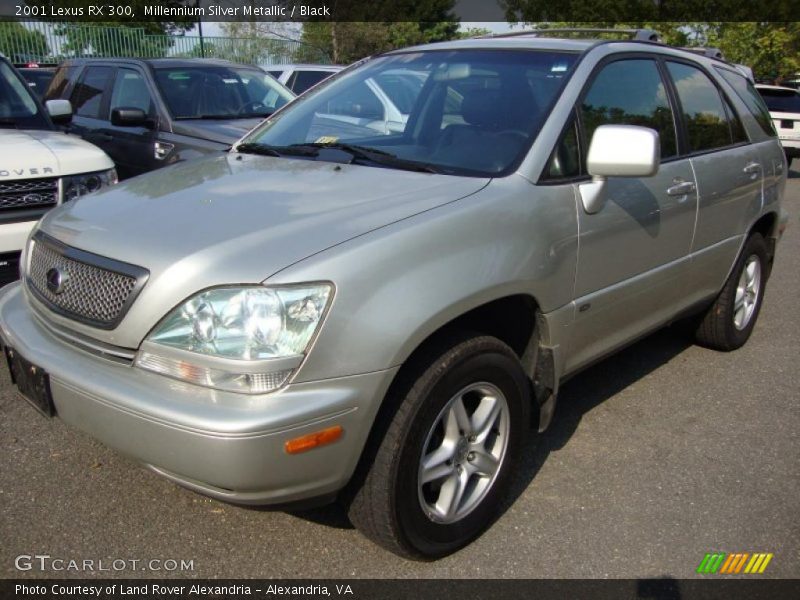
397, 285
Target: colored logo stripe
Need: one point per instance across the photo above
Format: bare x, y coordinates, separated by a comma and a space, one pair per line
711, 562
758, 563
733, 563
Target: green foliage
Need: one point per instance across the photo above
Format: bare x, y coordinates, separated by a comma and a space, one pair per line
772, 50
354, 36
473, 32
120, 38
21, 44
346, 42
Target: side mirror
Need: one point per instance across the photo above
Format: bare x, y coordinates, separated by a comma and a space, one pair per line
618, 151
60, 111
129, 117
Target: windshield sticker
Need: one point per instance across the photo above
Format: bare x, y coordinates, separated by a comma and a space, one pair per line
326, 139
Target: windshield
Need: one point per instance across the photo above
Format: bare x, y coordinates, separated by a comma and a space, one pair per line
466, 112
786, 101
18, 109
220, 92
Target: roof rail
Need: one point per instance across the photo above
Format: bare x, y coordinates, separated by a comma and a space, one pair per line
642, 35
707, 52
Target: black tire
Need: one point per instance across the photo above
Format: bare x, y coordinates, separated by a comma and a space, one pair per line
717, 329
387, 506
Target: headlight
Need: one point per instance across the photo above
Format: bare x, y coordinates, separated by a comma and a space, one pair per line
76, 186
242, 339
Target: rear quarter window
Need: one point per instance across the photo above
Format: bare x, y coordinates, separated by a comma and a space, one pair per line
751, 98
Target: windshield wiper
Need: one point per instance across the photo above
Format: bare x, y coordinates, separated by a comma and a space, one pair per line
267, 150
380, 157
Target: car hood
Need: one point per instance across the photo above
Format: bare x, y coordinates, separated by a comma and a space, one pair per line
234, 219
225, 131
29, 154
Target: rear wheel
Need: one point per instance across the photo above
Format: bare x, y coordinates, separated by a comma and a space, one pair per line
728, 323
442, 469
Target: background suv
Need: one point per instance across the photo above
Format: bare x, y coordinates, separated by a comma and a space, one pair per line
784, 108
299, 78
40, 167
149, 113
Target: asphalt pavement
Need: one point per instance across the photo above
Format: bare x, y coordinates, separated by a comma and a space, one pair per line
657, 456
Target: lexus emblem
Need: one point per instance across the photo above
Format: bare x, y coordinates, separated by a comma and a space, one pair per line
57, 280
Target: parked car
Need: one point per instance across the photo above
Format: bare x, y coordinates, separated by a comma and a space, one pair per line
330, 311
40, 167
784, 108
38, 78
299, 78
382, 102
148, 113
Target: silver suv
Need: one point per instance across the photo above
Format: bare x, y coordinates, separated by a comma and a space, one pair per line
328, 311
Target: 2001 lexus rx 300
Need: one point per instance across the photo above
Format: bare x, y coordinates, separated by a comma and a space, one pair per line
339, 308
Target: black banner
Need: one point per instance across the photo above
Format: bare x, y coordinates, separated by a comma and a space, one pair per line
399, 10
517, 589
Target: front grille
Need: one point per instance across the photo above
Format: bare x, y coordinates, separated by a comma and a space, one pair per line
28, 193
93, 289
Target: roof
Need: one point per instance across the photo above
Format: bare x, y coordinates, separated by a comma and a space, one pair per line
510, 43
158, 63
302, 67
780, 88
529, 40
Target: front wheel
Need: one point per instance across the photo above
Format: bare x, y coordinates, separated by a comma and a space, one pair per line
728, 323
441, 471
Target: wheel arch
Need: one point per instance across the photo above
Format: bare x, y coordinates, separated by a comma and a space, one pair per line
512, 318
767, 226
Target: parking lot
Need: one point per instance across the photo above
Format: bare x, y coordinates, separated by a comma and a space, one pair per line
657, 456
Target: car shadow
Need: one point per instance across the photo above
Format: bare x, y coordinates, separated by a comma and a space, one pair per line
577, 397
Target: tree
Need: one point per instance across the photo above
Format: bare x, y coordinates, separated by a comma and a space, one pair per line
770, 49
346, 42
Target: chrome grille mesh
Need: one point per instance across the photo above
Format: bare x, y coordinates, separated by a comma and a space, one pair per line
28, 193
90, 293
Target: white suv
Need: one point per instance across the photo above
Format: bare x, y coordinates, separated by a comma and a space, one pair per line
39, 166
784, 108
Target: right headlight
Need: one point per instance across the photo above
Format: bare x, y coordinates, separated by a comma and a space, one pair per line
246, 339
76, 186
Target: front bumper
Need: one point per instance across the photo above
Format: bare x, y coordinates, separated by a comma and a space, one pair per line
791, 145
229, 446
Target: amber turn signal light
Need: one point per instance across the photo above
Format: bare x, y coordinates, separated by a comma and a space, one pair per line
313, 440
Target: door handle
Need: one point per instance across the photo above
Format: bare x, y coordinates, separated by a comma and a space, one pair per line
752, 169
105, 137
681, 189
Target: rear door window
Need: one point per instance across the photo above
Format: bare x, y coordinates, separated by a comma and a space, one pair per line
706, 119
630, 92
87, 96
